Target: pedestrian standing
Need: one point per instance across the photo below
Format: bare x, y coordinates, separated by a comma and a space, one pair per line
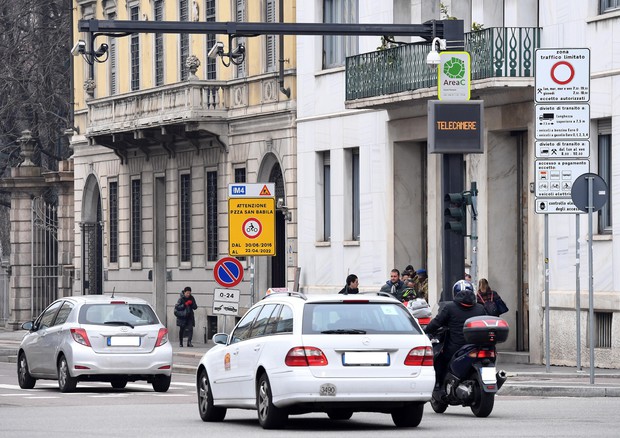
394, 285
184, 311
352, 285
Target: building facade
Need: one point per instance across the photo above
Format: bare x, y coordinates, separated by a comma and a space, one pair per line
370, 193
161, 130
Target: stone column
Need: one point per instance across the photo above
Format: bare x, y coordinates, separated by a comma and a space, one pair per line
24, 184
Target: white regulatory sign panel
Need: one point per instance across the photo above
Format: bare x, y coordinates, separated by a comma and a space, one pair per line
228, 295
562, 75
225, 308
555, 178
563, 149
562, 121
556, 206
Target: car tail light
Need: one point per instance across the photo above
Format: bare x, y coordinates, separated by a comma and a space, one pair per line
305, 357
81, 367
481, 354
118, 302
79, 335
355, 301
420, 357
162, 337
424, 321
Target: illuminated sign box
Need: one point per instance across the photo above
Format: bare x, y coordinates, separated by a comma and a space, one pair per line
455, 127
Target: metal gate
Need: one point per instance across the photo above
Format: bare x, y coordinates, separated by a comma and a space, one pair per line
5, 278
45, 268
92, 283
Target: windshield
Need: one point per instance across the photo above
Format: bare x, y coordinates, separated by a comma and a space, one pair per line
130, 315
358, 318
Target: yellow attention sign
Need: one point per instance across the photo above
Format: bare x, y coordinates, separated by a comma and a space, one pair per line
251, 226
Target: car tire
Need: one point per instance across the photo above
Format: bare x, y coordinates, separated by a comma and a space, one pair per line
118, 383
66, 383
161, 383
26, 381
408, 416
269, 415
207, 411
339, 414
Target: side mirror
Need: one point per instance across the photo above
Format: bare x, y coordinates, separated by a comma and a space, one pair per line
220, 338
28, 325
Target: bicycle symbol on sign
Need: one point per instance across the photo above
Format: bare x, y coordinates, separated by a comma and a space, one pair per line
252, 228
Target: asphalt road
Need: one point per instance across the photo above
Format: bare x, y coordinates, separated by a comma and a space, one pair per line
98, 410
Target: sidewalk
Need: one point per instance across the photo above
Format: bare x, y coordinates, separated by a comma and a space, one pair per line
523, 379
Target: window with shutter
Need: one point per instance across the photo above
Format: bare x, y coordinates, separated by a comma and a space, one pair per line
270, 40
240, 16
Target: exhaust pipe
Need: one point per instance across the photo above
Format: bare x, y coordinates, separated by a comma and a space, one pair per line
501, 377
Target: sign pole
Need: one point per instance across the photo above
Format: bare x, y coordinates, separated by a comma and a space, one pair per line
251, 281
547, 342
578, 292
590, 277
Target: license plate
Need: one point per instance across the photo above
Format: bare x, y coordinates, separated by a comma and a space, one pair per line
488, 375
124, 341
359, 358
327, 389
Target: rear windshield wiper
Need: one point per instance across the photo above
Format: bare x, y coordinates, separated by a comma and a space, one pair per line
344, 332
119, 323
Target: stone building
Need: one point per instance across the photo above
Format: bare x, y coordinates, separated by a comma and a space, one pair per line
161, 130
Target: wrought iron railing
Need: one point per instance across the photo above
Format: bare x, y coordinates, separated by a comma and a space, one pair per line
495, 52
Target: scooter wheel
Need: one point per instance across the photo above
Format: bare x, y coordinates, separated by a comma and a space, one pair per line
483, 401
438, 406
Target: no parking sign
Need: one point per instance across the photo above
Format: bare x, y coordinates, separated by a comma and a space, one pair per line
228, 272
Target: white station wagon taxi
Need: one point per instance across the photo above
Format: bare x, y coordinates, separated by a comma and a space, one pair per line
293, 353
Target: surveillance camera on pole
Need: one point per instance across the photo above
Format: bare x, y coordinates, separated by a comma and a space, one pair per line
433, 59
216, 50
79, 48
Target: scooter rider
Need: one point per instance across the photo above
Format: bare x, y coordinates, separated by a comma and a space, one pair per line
452, 316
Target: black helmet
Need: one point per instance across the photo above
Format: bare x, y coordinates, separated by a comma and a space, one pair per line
463, 292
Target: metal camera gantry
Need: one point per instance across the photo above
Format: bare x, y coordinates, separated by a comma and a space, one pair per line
449, 30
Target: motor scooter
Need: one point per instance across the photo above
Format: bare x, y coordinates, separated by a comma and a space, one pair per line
472, 379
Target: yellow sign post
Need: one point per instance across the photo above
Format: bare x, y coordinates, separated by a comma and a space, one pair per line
251, 226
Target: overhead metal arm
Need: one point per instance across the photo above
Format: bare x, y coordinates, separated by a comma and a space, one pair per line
427, 31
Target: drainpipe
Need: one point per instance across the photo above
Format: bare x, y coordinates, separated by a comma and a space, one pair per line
286, 91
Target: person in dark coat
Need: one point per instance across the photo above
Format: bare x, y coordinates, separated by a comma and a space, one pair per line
394, 285
184, 311
452, 316
352, 285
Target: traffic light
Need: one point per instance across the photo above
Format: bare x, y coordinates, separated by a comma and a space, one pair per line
456, 212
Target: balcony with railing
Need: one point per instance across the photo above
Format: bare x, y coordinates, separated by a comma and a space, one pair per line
506, 52
182, 102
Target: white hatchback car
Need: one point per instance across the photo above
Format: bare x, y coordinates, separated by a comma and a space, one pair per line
95, 338
293, 353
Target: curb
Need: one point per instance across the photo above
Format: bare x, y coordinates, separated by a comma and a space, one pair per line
558, 391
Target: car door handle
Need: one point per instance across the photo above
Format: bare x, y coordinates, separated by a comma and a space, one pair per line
257, 347
236, 352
